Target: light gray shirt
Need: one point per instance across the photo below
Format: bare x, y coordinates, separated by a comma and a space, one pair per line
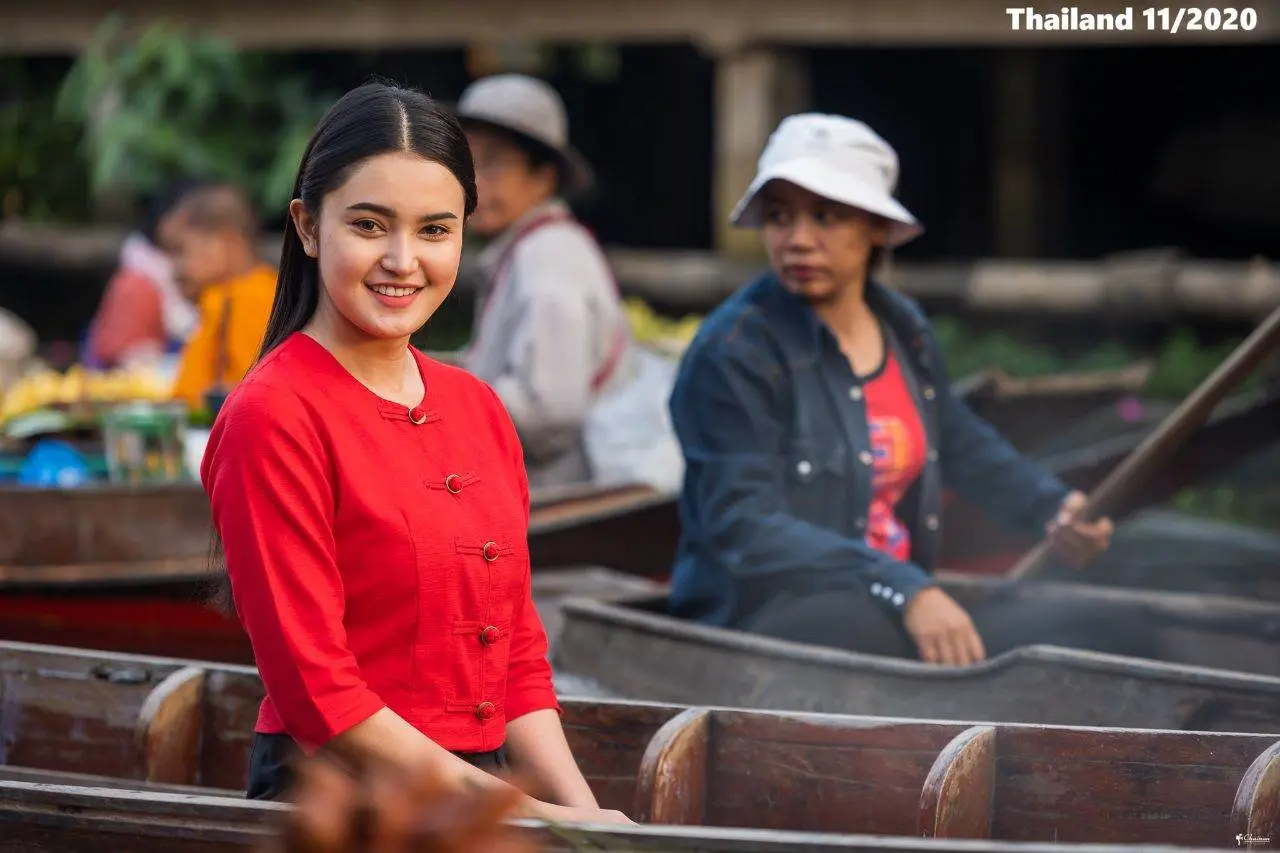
546, 325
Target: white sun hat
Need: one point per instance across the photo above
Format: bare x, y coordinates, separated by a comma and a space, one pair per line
837, 158
530, 108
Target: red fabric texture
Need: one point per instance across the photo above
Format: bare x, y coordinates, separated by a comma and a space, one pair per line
897, 453
376, 561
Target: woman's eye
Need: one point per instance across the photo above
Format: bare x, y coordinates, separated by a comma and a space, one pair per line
435, 230
367, 225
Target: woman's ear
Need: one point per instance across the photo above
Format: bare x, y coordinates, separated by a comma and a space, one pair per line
306, 226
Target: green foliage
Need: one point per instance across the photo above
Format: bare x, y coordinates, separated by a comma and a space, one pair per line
172, 104
1182, 362
41, 176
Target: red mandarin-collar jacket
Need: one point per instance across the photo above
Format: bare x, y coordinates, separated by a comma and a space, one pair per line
378, 555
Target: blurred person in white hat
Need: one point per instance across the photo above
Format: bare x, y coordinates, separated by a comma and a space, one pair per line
551, 335
819, 430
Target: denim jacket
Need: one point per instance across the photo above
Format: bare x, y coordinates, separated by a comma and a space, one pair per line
773, 426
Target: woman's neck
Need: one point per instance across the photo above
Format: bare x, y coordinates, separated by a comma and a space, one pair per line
855, 328
380, 365
847, 313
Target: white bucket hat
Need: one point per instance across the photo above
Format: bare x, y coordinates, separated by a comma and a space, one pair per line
837, 158
531, 108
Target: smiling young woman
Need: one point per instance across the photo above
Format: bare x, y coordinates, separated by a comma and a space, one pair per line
371, 503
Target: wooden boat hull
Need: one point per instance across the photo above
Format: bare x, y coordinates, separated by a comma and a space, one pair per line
180, 623
38, 818
151, 729
160, 538
162, 534
633, 649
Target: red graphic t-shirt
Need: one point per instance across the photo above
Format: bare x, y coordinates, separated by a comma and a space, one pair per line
897, 453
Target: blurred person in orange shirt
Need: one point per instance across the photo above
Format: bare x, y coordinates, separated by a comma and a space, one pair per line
212, 236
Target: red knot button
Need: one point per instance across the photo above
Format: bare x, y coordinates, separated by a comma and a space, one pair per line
490, 551
417, 416
490, 635
485, 711
453, 483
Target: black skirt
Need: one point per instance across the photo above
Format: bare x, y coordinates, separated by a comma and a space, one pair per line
271, 764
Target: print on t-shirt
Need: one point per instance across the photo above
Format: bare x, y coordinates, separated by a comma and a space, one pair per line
897, 457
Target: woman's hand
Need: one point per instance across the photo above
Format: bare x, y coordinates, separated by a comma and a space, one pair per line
942, 630
564, 814
1076, 540
385, 810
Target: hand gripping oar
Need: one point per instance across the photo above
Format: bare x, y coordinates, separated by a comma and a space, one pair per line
1163, 443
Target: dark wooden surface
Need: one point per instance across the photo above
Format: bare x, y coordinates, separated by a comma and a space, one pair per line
957, 800
169, 728
132, 717
665, 763
896, 777
634, 651
672, 784
123, 619
160, 537
39, 818
1255, 814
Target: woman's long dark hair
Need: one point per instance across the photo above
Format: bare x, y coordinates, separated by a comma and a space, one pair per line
376, 118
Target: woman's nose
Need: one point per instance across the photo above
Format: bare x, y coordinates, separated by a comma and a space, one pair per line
803, 232
399, 258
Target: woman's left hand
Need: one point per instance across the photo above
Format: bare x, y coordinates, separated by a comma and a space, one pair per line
1077, 540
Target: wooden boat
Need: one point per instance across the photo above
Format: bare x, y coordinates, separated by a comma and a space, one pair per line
633, 649
1027, 409
147, 726
159, 537
68, 819
153, 603
1240, 428
84, 716
120, 619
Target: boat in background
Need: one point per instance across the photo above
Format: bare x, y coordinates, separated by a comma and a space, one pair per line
1218, 671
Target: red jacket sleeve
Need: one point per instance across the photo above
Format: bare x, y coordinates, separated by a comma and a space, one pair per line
529, 680
268, 480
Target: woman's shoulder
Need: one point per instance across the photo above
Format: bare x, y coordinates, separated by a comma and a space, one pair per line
275, 389
738, 329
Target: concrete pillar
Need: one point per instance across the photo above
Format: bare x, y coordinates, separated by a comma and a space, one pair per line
755, 88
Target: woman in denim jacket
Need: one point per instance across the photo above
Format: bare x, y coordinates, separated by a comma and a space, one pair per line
819, 430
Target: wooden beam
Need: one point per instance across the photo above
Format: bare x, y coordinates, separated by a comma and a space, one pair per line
65, 26
755, 89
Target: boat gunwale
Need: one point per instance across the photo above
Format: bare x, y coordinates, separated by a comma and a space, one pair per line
31, 801
619, 610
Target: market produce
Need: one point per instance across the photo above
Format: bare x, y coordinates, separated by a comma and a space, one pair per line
649, 327
81, 390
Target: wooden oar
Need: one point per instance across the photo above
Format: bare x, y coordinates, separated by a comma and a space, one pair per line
1164, 442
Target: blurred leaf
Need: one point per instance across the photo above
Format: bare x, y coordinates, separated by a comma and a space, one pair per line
174, 104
